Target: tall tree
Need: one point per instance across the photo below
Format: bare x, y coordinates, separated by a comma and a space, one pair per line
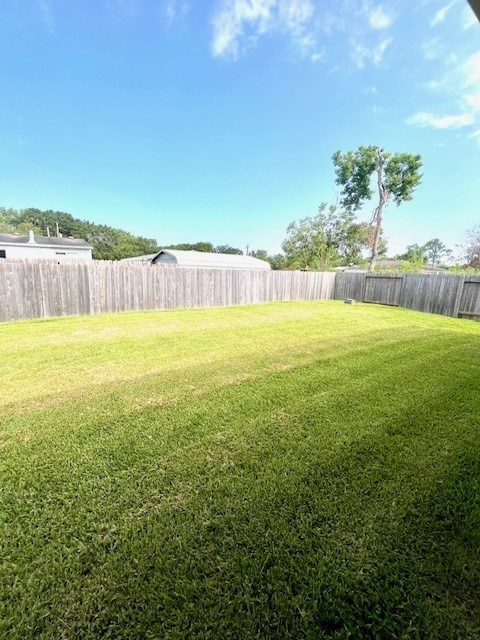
277, 261
261, 254
306, 245
396, 176
367, 233
6, 220
341, 232
321, 241
471, 247
226, 248
205, 247
414, 253
432, 251
435, 250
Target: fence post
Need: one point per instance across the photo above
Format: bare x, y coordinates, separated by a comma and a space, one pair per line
458, 299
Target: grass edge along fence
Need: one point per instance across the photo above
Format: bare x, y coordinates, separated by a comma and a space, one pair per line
43, 289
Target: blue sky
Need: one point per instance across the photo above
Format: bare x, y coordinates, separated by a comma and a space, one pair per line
216, 121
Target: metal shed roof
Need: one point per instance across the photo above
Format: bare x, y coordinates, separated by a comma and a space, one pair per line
45, 241
209, 260
146, 258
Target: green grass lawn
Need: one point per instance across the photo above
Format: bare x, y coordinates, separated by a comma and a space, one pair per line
293, 470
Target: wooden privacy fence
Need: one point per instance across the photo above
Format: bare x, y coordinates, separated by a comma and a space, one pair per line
33, 289
448, 295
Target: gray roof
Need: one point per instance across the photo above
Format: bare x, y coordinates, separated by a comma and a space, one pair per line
146, 258
211, 260
12, 238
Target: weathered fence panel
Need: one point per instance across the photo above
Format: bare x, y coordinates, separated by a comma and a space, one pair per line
431, 293
469, 305
449, 295
40, 289
349, 285
383, 289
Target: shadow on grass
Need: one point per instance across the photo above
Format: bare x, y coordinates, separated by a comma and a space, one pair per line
290, 506
316, 556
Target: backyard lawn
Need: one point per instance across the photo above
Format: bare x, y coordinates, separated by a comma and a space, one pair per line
291, 470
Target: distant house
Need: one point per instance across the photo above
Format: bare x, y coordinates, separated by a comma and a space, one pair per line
201, 259
382, 265
33, 247
354, 268
389, 265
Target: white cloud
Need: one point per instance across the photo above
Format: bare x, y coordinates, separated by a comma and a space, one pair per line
378, 18
123, 7
319, 56
238, 24
307, 47
432, 49
476, 134
473, 100
234, 19
361, 53
294, 14
332, 22
365, 45
170, 12
459, 86
174, 10
434, 85
441, 13
47, 15
380, 49
471, 70
372, 90
426, 119
470, 73
459, 76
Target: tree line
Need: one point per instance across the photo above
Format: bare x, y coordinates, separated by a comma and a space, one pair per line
369, 176
108, 243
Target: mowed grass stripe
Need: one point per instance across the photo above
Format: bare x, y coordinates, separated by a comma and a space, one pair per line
317, 477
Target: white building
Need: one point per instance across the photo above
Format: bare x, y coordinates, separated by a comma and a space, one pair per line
33, 247
202, 259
